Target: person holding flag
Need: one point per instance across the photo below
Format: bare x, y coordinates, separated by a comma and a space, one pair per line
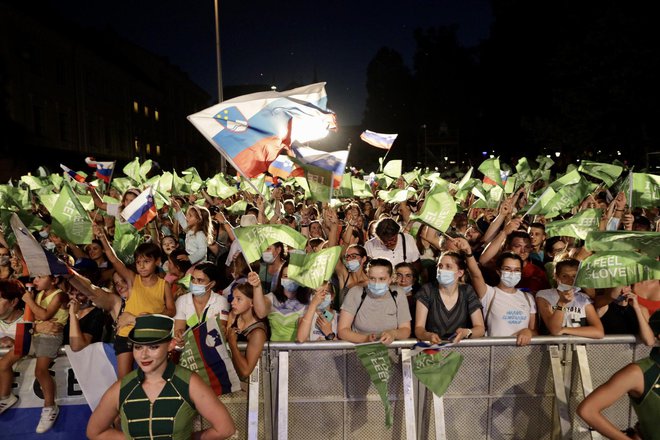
11, 314
114, 209
170, 394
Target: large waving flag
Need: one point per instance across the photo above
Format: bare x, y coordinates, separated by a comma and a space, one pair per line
640, 241
95, 367
251, 130
614, 269
333, 161
104, 170
255, 239
281, 167
378, 140
141, 210
205, 353
579, 225
70, 219
39, 261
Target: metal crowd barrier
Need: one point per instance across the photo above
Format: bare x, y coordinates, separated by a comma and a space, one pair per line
320, 390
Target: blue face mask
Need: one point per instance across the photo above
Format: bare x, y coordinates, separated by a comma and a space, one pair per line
325, 303
510, 279
197, 289
446, 278
289, 284
166, 231
378, 289
353, 265
43, 234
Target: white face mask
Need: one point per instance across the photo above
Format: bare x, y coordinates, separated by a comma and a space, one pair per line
268, 257
510, 279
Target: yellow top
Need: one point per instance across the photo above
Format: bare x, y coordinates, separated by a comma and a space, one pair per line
144, 299
62, 314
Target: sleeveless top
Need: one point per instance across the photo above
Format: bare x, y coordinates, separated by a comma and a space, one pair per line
647, 407
61, 316
651, 305
169, 416
144, 299
243, 334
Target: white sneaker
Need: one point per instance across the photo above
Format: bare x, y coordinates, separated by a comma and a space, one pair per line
48, 416
7, 403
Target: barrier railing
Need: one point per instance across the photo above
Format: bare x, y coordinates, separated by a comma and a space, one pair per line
320, 390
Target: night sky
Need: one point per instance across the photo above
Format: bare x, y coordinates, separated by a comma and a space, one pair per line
277, 43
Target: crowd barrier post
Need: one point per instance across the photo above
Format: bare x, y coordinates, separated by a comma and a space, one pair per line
557, 362
409, 398
253, 403
585, 376
268, 367
282, 395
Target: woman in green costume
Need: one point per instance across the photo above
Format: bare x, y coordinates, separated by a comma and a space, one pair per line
159, 399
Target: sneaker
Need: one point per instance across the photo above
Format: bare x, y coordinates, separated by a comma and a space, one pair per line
7, 402
48, 416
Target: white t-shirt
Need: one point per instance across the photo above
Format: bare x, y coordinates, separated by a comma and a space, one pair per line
185, 308
9, 328
509, 312
575, 314
376, 249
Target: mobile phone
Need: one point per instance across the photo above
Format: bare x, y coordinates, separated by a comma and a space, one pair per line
327, 315
621, 298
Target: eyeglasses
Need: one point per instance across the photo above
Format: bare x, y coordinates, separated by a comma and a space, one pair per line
353, 256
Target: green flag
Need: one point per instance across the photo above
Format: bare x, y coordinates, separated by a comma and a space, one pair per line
545, 163
70, 220
35, 182
568, 197
412, 176
396, 195
217, 186
191, 177
179, 185
393, 169
578, 226
238, 208
127, 239
132, 170
524, 170
490, 168
257, 187
121, 184
606, 172
376, 360
255, 239
646, 191
31, 221
319, 181
361, 188
614, 269
436, 371
465, 179
438, 211
345, 190
645, 242
570, 178
539, 205
314, 269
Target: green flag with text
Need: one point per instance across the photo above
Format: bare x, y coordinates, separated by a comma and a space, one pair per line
614, 269
578, 225
606, 172
255, 239
313, 269
436, 371
603, 241
376, 360
70, 219
438, 210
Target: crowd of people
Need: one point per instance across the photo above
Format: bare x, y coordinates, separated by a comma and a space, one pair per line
493, 272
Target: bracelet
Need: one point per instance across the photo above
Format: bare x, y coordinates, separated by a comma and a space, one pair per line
468, 255
560, 308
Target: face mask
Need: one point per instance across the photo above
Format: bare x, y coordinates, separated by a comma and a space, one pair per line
197, 289
407, 289
166, 231
289, 284
49, 245
510, 279
353, 265
446, 277
613, 224
325, 303
268, 257
378, 289
4, 260
43, 234
566, 287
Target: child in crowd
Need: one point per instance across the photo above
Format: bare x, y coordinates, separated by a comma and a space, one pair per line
199, 233
11, 314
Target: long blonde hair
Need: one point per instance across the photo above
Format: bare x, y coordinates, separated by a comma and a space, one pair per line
204, 224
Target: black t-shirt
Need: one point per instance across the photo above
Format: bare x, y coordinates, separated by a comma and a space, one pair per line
620, 320
445, 322
92, 324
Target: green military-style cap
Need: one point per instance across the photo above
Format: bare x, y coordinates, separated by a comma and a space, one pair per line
152, 329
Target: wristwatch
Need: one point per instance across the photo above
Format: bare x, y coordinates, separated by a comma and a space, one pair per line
469, 333
330, 336
560, 308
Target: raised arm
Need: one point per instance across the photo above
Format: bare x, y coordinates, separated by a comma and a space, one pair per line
476, 276
245, 363
262, 305
119, 265
98, 201
493, 248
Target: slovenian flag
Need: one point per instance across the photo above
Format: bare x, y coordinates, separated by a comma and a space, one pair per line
205, 353
74, 175
104, 170
251, 130
141, 210
95, 367
334, 161
378, 140
23, 337
281, 167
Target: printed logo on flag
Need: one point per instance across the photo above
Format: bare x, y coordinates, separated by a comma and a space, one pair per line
232, 119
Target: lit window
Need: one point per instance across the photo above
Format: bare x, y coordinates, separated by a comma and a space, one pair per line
146, 111
156, 116
137, 145
136, 106
148, 148
157, 150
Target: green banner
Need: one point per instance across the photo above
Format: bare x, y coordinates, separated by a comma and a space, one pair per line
361, 188
70, 219
577, 226
438, 211
238, 208
217, 186
436, 371
255, 239
313, 269
396, 195
646, 191
393, 169
606, 172
127, 239
376, 360
524, 170
614, 269
345, 190
490, 168
603, 241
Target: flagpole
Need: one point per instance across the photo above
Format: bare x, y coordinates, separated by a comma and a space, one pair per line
223, 162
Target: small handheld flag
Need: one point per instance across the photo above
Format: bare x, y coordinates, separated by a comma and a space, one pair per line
74, 175
104, 170
378, 140
141, 210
